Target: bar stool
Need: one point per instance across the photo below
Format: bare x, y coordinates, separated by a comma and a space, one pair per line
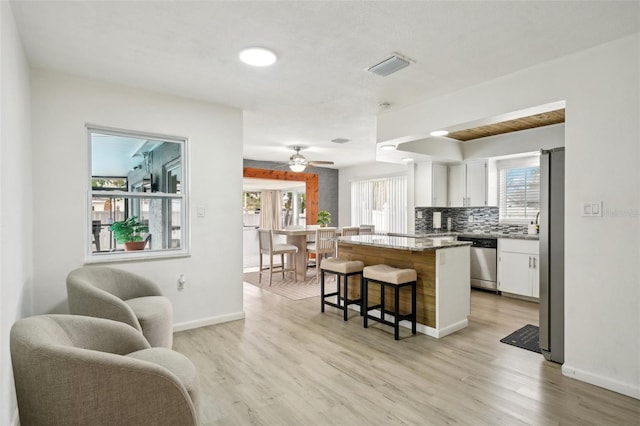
341, 268
388, 276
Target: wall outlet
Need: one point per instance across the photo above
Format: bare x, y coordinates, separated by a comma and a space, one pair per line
419, 214
470, 219
181, 282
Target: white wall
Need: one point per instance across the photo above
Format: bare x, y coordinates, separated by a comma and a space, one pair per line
16, 237
372, 170
601, 87
61, 106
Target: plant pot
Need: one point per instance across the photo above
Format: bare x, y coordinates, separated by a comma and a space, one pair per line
134, 245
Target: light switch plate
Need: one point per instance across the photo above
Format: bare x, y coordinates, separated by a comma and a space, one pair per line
591, 209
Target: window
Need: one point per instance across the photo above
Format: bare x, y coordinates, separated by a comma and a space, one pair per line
381, 202
519, 196
138, 177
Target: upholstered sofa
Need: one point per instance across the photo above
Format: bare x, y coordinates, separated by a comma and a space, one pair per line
104, 292
77, 370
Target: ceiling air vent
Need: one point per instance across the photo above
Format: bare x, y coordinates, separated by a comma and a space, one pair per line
340, 140
389, 66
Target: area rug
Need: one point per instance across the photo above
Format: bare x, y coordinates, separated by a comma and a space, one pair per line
288, 287
527, 337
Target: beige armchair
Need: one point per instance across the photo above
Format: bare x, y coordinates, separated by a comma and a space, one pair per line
77, 370
111, 293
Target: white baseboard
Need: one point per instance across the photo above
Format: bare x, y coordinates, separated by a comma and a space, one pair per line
604, 382
188, 325
421, 328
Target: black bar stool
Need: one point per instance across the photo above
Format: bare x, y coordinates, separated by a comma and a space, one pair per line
388, 276
341, 268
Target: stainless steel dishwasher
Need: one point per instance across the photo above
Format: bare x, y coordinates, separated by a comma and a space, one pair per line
484, 266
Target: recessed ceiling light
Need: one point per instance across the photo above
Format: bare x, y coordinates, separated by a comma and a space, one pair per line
439, 133
388, 147
340, 140
407, 159
257, 56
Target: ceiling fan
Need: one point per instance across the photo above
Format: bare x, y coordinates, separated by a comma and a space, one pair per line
298, 163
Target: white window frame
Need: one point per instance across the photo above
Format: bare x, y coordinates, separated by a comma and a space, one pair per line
513, 163
119, 256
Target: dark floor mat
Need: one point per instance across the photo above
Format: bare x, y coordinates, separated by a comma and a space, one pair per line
526, 338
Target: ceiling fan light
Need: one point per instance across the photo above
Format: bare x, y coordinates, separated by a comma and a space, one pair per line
296, 167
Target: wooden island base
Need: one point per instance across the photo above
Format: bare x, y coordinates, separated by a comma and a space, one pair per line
442, 291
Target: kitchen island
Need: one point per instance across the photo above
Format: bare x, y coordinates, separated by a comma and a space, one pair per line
443, 291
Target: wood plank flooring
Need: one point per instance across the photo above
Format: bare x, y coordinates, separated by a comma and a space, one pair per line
289, 364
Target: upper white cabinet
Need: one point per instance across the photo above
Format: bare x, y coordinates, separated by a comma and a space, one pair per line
468, 184
439, 185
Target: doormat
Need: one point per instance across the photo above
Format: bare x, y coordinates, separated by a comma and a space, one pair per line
528, 337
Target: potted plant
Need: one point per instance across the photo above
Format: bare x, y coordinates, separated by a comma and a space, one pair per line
324, 218
129, 232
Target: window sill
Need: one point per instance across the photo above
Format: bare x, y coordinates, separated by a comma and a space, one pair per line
131, 256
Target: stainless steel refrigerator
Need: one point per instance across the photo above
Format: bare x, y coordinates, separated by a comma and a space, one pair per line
552, 254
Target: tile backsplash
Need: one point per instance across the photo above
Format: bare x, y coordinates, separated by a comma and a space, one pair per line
485, 219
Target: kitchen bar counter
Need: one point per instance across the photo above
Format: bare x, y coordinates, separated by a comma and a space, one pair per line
412, 243
470, 234
443, 294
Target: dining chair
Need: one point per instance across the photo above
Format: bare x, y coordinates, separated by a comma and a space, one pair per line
324, 244
269, 248
347, 231
367, 229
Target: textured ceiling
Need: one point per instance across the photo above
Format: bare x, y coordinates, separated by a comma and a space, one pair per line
319, 89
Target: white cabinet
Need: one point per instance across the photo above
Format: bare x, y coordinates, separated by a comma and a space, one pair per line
439, 185
468, 184
476, 183
518, 262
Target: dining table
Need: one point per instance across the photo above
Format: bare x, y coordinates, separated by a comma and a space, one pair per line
298, 237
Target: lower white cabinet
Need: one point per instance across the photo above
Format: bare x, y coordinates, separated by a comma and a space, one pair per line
518, 267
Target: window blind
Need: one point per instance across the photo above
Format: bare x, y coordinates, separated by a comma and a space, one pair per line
519, 196
381, 202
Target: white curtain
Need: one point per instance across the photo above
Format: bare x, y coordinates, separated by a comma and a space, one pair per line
270, 209
381, 202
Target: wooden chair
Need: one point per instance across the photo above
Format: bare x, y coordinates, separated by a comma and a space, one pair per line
267, 247
367, 229
324, 244
350, 230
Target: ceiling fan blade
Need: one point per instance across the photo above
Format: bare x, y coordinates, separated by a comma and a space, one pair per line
319, 163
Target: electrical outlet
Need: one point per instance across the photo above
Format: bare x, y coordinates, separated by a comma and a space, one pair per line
419, 213
181, 282
470, 219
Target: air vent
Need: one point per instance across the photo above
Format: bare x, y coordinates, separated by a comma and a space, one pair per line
389, 66
340, 140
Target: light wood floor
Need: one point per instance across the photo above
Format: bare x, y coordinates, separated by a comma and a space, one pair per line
289, 364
